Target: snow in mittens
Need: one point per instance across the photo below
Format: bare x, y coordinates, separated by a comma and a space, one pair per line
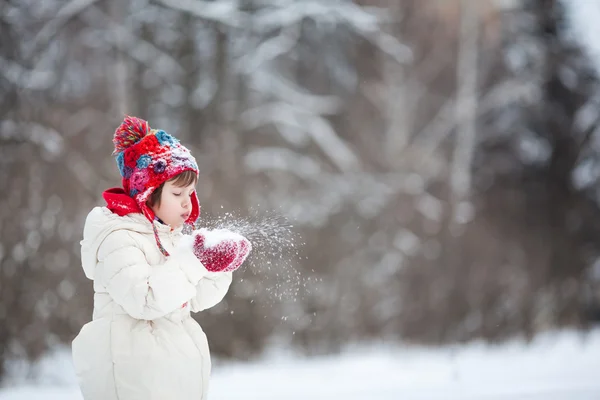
216, 236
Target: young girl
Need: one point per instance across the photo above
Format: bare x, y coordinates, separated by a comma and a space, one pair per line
142, 343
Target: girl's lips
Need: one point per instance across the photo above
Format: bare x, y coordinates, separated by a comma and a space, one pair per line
185, 216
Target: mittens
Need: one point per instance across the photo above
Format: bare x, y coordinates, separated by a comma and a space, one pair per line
221, 249
244, 248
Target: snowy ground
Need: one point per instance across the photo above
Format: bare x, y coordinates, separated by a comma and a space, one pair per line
556, 366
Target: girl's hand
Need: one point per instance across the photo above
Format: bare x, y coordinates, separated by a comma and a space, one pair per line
220, 250
244, 248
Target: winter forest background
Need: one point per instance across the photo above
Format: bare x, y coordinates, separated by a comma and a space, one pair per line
438, 160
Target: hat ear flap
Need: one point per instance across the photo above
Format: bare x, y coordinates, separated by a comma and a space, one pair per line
195, 213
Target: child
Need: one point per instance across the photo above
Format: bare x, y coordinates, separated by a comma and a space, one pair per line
142, 343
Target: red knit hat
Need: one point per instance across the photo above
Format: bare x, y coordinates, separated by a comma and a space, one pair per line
146, 159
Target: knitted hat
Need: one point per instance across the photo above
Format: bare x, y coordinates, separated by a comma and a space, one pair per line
146, 159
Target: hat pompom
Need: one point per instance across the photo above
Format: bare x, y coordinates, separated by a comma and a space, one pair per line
131, 131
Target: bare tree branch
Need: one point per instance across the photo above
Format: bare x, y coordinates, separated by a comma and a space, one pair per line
162, 63
224, 12
466, 102
52, 27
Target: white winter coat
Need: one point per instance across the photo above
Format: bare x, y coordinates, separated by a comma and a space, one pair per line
142, 343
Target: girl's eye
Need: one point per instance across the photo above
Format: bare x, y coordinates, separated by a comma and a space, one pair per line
177, 194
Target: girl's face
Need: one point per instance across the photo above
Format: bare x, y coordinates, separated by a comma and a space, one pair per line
175, 204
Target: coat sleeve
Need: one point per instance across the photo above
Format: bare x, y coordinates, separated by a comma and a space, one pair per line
147, 291
210, 290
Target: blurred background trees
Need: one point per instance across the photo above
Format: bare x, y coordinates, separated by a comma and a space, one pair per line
439, 160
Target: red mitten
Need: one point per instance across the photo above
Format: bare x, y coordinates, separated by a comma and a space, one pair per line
244, 248
220, 250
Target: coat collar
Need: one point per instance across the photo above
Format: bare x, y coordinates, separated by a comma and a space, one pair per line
118, 202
